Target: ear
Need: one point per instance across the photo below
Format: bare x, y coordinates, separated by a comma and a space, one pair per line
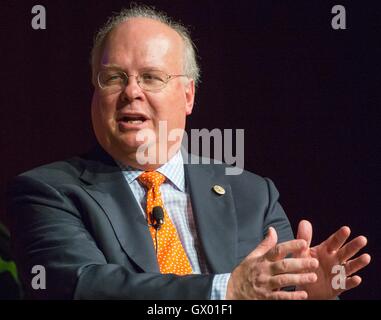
189, 96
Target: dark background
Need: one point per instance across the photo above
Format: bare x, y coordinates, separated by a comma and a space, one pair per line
307, 96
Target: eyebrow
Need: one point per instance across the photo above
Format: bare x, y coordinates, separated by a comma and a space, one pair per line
118, 67
111, 66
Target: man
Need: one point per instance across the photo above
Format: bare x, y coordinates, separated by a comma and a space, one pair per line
109, 225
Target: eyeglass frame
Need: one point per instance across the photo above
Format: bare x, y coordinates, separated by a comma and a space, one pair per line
169, 77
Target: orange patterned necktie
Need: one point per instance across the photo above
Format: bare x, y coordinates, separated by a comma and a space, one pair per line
171, 255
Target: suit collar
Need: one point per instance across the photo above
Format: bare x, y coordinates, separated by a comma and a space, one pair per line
173, 170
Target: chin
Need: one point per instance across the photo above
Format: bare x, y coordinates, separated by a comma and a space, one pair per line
126, 147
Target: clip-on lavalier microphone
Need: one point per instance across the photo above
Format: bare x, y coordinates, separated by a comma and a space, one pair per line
157, 218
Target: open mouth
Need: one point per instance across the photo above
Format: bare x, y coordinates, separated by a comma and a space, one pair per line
132, 119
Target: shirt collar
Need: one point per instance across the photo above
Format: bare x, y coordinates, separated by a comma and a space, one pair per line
173, 170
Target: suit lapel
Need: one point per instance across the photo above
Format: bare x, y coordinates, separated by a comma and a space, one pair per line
108, 187
214, 215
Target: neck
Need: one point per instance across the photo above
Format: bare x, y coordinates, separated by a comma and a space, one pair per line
145, 163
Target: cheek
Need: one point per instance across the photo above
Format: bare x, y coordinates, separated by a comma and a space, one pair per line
172, 109
102, 112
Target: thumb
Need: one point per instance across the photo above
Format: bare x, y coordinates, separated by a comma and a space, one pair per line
267, 243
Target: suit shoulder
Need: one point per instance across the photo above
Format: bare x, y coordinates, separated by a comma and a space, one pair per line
244, 177
231, 174
55, 173
247, 184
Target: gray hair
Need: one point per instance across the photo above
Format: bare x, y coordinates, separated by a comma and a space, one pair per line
190, 65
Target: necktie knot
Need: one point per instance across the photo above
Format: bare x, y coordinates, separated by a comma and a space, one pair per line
152, 179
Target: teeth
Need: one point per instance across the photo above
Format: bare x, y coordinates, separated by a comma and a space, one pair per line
135, 121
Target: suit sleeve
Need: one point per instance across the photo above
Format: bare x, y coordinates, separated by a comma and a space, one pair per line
275, 215
47, 230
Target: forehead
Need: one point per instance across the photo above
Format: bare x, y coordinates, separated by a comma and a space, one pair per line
142, 41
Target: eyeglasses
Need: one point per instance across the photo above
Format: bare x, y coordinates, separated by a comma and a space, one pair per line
116, 81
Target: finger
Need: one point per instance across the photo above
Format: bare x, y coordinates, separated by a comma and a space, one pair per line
305, 231
337, 239
352, 282
351, 248
285, 280
357, 264
293, 265
281, 250
266, 244
286, 295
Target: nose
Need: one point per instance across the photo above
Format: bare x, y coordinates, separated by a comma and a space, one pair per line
132, 90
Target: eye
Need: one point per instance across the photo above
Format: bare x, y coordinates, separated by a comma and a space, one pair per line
113, 78
152, 77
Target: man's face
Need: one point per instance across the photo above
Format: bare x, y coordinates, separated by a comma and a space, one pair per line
136, 46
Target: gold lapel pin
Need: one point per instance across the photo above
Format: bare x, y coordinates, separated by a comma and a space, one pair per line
219, 190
